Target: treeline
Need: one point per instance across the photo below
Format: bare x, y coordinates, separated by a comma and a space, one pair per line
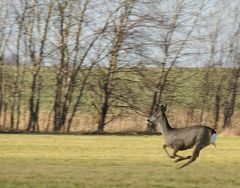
61, 59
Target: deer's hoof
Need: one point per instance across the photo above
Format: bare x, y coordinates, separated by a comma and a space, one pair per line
177, 160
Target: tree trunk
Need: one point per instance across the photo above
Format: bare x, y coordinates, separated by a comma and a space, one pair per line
217, 106
230, 106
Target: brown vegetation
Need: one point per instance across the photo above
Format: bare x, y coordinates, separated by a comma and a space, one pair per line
231, 131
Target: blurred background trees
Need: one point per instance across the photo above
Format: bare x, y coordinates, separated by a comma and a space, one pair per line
90, 65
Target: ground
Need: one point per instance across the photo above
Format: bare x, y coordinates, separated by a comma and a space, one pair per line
112, 161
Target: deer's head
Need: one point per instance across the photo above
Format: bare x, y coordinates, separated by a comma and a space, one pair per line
158, 115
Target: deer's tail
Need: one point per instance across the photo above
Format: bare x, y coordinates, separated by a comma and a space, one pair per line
213, 138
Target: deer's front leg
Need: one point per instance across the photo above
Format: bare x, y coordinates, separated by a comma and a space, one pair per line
175, 153
164, 147
182, 158
177, 145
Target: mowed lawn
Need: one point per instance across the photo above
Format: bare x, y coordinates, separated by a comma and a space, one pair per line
112, 161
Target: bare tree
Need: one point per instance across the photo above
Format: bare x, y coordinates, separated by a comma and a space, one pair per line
73, 64
234, 62
118, 36
59, 59
4, 36
37, 60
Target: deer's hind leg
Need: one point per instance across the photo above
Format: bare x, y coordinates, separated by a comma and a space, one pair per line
194, 156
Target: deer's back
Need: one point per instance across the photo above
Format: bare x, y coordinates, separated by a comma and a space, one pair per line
187, 137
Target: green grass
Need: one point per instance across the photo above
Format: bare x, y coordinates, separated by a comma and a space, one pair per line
112, 161
184, 86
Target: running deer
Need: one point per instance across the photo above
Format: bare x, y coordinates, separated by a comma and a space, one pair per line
182, 138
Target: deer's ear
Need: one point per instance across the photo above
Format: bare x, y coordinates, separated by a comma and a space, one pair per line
162, 108
165, 107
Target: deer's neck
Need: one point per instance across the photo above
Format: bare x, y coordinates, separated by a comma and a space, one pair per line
164, 125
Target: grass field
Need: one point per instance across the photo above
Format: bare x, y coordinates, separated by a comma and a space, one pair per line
112, 161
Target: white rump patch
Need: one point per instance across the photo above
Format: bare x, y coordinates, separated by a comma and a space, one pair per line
213, 139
